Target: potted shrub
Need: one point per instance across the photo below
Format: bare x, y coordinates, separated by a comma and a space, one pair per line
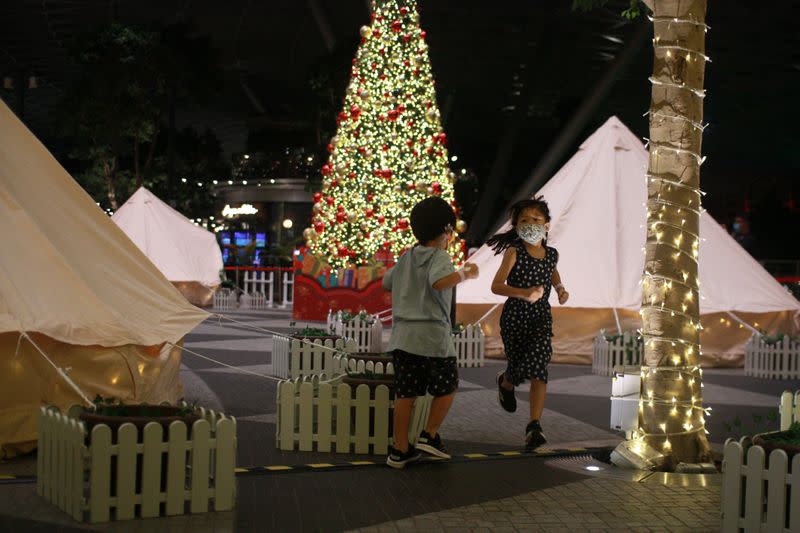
114, 413
314, 334
788, 440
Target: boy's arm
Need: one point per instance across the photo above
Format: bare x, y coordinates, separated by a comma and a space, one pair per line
443, 276
387, 279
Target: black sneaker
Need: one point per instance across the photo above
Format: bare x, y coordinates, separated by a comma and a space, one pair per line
506, 397
534, 437
398, 459
432, 445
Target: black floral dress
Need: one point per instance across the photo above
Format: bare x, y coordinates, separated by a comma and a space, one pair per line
525, 327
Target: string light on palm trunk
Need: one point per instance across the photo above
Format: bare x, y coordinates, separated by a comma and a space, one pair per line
671, 401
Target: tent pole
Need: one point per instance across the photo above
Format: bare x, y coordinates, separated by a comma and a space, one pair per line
616, 318
489, 312
743, 323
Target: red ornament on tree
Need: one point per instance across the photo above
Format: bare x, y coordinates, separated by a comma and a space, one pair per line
317, 197
342, 116
329, 200
423, 34
370, 212
340, 208
330, 148
381, 219
319, 227
370, 197
403, 10
343, 251
340, 217
326, 169
410, 143
355, 111
406, 38
437, 187
402, 224
387, 173
397, 26
393, 114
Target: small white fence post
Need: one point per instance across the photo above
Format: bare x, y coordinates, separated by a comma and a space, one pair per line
287, 287
294, 358
470, 346
76, 476
789, 409
625, 350
366, 330
259, 289
776, 360
327, 416
224, 299
745, 502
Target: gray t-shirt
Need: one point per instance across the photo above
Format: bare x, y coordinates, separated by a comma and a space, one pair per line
420, 313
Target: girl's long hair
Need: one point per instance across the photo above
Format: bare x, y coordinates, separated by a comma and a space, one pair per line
500, 241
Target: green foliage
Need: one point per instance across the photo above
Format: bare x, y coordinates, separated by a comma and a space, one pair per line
347, 316
772, 340
789, 437
116, 407
311, 332
736, 429
636, 8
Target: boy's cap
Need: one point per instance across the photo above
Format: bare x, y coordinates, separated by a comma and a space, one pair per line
430, 218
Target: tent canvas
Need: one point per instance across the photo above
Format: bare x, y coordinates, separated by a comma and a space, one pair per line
597, 204
74, 284
186, 254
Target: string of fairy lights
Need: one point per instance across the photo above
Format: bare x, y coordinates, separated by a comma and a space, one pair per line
671, 377
389, 150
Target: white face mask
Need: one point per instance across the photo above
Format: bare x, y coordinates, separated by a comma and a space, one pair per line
532, 233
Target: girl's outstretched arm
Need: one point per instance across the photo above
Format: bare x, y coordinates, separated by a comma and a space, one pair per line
499, 285
563, 295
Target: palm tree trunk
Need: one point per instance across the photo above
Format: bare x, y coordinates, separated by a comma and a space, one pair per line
671, 416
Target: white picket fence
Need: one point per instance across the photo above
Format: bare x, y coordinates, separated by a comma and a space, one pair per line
327, 416
780, 360
746, 502
287, 287
77, 477
470, 346
367, 331
294, 358
259, 290
789, 409
624, 351
225, 300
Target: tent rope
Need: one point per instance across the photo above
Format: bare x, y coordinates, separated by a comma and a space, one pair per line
59, 370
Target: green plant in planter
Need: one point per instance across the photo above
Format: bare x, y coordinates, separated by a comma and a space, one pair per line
772, 340
790, 437
347, 316
117, 408
736, 429
632, 345
311, 332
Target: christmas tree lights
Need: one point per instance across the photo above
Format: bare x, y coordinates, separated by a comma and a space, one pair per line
389, 151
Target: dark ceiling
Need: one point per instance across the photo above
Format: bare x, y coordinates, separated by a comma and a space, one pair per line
507, 72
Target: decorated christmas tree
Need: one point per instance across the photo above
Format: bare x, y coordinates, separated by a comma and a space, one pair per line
389, 151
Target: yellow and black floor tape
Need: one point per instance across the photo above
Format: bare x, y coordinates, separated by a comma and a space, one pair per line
381, 461
377, 461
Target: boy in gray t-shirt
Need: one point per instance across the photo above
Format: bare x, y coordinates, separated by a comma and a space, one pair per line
422, 283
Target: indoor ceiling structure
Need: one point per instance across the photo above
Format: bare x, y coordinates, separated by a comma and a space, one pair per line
510, 76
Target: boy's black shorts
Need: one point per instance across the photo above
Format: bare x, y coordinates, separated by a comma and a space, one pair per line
415, 375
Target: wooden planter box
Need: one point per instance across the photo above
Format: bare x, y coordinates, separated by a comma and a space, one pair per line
608, 356
151, 473
368, 334
470, 346
779, 360
757, 497
328, 416
294, 358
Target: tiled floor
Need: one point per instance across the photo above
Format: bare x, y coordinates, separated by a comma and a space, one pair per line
512, 494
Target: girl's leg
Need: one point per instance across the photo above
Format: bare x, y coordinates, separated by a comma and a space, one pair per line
439, 408
537, 395
402, 418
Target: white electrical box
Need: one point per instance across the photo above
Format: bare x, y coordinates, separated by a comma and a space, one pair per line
625, 385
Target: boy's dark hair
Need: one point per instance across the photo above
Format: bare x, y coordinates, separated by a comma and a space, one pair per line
507, 239
430, 218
